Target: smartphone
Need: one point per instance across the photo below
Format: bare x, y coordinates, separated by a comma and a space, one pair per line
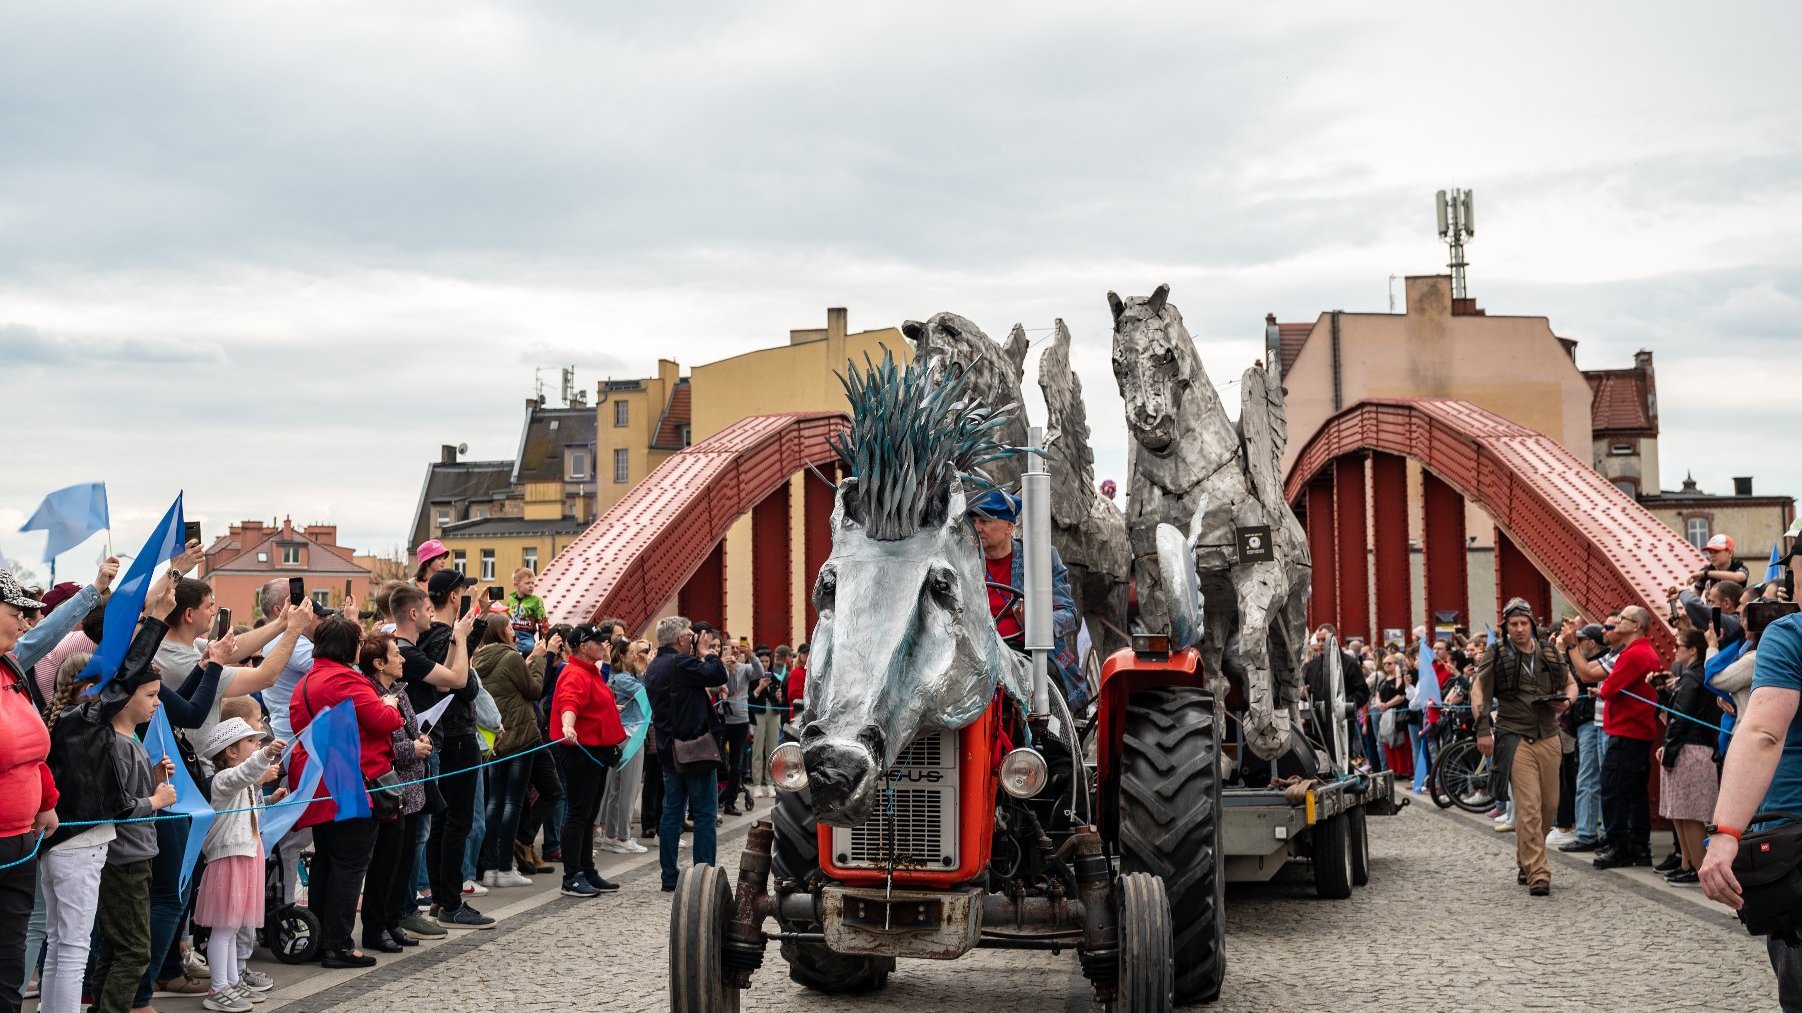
495, 593
1714, 620
190, 532
462, 606
347, 589
222, 624
297, 590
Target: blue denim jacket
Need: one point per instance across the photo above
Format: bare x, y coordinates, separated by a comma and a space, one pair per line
42, 638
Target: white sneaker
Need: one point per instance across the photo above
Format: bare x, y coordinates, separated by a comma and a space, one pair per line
632, 847
471, 888
1504, 826
243, 992
1559, 838
509, 878
683, 843
611, 845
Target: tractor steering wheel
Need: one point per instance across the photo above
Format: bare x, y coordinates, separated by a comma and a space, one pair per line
1012, 596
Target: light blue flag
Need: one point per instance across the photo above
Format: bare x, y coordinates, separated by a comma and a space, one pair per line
159, 742
636, 725
1774, 571
69, 517
1429, 680
127, 602
339, 755
278, 820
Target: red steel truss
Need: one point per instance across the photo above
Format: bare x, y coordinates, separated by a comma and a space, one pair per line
639, 554
1599, 547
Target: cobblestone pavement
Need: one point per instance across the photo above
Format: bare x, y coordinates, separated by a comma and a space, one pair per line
1441, 927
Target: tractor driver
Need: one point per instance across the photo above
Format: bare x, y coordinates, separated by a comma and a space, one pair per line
994, 517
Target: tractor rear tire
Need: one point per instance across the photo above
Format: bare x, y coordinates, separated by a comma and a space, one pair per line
1332, 858
1169, 815
796, 856
1147, 973
1357, 835
699, 910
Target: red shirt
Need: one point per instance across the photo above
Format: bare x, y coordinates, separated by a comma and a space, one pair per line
1001, 571
1626, 716
796, 685
580, 688
328, 683
26, 787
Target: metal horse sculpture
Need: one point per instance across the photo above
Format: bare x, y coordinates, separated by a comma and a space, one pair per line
990, 374
1186, 449
904, 641
1088, 530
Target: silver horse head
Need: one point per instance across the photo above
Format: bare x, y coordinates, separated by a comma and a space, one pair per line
1156, 367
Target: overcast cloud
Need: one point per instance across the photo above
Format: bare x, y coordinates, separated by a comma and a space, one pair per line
275, 254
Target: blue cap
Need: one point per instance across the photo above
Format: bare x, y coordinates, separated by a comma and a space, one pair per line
996, 505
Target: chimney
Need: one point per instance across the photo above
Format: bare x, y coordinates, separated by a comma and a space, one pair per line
1273, 348
1642, 359
837, 323
447, 452
324, 534
287, 529
1742, 484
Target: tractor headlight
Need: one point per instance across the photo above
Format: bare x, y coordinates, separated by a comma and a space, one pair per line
1024, 773
787, 768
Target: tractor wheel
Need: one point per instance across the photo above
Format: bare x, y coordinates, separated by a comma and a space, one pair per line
1357, 836
699, 911
1332, 858
1169, 803
1147, 974
796, 856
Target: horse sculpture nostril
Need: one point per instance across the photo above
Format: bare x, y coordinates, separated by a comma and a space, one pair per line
875, 740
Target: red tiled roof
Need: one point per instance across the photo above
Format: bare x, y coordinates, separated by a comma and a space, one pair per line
1290, 338
675, 415
1618, 402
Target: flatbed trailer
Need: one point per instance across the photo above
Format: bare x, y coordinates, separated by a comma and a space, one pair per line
1262, 830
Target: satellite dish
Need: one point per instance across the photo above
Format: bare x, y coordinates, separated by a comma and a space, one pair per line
462, 448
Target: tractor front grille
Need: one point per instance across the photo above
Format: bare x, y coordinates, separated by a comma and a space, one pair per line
915, 821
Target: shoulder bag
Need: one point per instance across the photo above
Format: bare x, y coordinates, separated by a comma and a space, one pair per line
1769, 869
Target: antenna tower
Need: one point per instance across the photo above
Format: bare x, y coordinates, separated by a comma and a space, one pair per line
1456, 227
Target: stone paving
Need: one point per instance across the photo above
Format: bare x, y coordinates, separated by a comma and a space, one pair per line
1441, 927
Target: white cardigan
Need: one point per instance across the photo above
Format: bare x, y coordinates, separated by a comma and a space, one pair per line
234, 833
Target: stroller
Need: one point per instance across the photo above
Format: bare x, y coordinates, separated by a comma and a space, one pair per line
291, 932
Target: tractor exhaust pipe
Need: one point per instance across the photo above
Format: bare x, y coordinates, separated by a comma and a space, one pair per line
1100, 949
744, 933
1035, 540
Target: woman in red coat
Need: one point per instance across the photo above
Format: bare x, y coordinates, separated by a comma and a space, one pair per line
585, 714
341, 848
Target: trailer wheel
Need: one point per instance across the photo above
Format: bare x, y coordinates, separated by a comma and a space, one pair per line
1332, 858
796, 856
1147, 973
1169, 816
699, 910
1357, 837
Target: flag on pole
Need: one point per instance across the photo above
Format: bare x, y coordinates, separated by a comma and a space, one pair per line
277, 821
1428, 694
159, 741
127, 602
69, 517
1774, 570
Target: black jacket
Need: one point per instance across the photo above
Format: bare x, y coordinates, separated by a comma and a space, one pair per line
82, 757
1687, 695
1357, 690
677, 684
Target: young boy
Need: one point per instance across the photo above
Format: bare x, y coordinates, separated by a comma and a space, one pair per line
527, 610
124, 915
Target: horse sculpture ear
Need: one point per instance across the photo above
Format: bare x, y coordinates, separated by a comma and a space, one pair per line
1114, 303
915, 331
1156, 302
850, 505
954, 508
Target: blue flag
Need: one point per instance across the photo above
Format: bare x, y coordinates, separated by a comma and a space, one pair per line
127, 602
159, 742
335, 747
1774, 570
279, 819
70, 516
1429, 679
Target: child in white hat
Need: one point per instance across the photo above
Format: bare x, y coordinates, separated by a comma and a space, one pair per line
231, 886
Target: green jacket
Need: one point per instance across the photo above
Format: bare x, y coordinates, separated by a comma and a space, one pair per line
515, 686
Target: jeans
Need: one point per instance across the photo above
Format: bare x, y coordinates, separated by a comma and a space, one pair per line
450, 828
71, 898
1786, 960
1625, 805
18, 890
506, 803
341, 853
418, 879
385, 883
769, 730
473, 864
734, 752
1567, 790
585, 781
167, 905
124, 921
1373, 752
1589, 781
682, 792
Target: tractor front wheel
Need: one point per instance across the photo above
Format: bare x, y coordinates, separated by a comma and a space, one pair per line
699, 910
1147, 976
1169, 806
795, 858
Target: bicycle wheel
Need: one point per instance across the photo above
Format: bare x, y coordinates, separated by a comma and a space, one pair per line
1463, 774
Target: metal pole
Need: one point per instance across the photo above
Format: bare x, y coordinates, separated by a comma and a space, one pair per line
1035, 491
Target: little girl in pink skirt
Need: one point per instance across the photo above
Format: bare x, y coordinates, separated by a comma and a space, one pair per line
231, 887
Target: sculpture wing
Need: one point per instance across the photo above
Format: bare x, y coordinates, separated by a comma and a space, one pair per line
1264, 428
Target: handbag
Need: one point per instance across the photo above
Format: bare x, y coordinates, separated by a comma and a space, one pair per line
1769, 869
697, 755
384, 795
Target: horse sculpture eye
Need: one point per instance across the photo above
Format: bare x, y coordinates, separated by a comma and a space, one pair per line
943, 588
824, 589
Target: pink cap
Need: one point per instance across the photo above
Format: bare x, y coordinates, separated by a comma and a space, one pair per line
430, 549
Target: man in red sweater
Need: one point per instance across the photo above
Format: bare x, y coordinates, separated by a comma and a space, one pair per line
1631, 724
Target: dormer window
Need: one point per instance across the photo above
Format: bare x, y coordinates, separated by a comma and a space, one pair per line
1620, 449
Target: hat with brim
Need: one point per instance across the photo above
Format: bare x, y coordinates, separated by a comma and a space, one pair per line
429, 550
996, 506
224, 734
13, 594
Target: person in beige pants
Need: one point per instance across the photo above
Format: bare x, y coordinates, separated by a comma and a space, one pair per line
1529, 686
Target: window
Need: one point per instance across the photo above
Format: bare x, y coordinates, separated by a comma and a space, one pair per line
291, 555
1696, 530
262, 557
479, 512
459, 562
1620, 449
622, 467
685, 434
322, 599
443, 517
1627, 486
530, 560
622, 414
576, 464
487, 564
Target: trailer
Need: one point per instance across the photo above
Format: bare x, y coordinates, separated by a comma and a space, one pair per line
1264, 829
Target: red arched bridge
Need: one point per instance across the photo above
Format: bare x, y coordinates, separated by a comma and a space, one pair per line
1555, 517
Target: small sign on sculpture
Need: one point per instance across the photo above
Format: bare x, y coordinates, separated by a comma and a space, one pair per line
1254, 545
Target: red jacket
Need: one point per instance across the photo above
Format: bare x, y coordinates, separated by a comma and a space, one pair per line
1626, 716
26, 787
582, 689
796, 687
326, 684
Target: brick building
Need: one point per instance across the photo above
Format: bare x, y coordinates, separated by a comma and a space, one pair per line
251, 553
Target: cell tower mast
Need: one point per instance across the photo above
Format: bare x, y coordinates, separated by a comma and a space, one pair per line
1456, 226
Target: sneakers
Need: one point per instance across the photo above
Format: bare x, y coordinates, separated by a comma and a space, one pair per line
1672, 862
246, 994
471, 888
256, 981
616, 847
1494, 814
420, 925
183, 985
465, 917
598, 884
1684, 877
195, 965
633, 847
1559, 838
508, 878
1578, 845
1503, 826
577, 886
226, 1001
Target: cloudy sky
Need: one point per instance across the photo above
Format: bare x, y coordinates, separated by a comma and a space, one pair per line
275, 254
